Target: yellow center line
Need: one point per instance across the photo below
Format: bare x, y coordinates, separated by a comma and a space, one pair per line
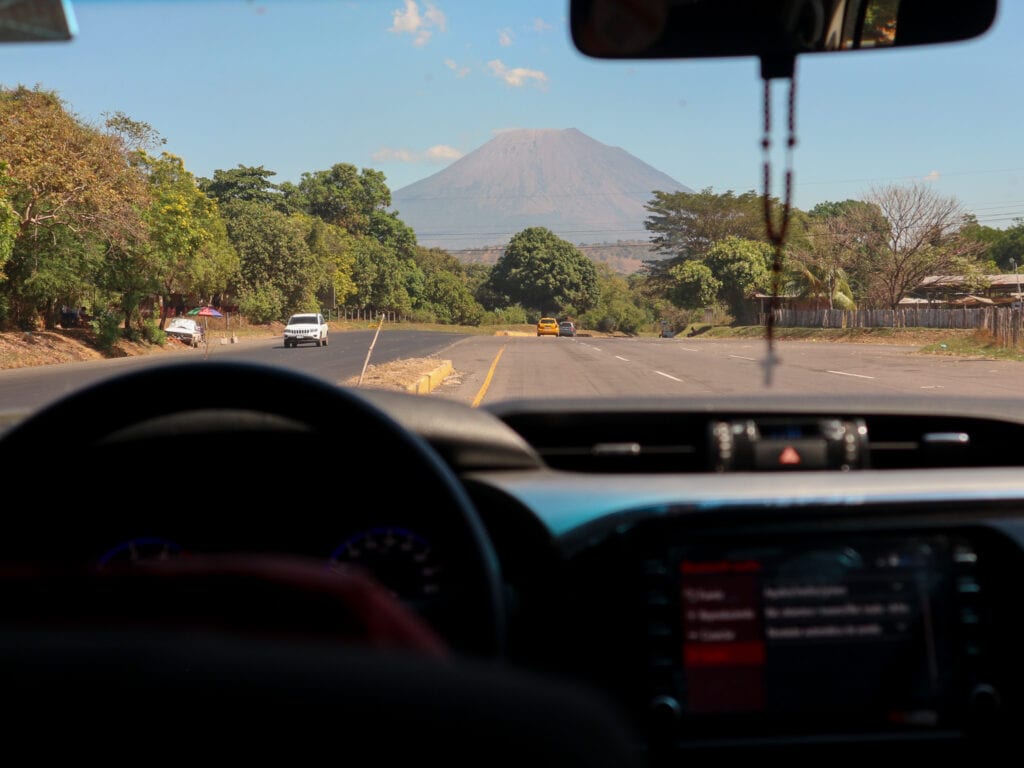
487, 381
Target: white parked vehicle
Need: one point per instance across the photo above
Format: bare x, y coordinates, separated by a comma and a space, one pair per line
306, 328
185, 329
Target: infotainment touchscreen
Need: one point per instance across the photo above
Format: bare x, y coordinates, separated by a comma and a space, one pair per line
842, 631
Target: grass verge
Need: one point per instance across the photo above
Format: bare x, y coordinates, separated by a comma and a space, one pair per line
903, 336
978, 344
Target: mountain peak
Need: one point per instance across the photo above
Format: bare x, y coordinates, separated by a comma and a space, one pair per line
562, 179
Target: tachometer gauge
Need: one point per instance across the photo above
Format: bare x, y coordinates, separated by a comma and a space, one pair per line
139, 549
401, 560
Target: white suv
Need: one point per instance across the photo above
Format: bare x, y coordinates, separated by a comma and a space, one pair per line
306, 328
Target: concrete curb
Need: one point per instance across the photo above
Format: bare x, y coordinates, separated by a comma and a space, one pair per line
431, 381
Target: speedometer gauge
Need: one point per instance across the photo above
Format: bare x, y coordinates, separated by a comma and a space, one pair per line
138, 549
400, 559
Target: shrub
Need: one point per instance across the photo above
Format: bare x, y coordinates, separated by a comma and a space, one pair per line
107, 327
422, 315
152, 332
261, 303
513, 315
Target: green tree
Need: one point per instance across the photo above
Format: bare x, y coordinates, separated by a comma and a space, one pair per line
383, 267
433, 260
693, 285
830, 256
543, 272
261, 303
128, 271
247, 183
447, 294
617, 307
342, 195
380, 276
136, 135
392, 233
742, 266
448, 298
332, 248
8, 221
476, 275
1001, 245
190, 252
83, 179
820, 257
686, 224
822, 287
70, 201
275, 257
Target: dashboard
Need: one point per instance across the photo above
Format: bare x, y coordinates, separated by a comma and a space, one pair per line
659, 554
864, 599
876, 612
888, 623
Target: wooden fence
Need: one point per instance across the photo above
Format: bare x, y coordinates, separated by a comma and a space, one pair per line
366, 313
1005, 324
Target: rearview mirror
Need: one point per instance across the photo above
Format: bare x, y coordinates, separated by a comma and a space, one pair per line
35, 21
769, 29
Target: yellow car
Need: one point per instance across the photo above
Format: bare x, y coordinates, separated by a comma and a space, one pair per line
547, 326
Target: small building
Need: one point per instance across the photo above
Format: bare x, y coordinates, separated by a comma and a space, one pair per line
954, 291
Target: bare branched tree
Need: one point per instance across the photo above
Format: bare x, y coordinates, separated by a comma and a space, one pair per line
923, 239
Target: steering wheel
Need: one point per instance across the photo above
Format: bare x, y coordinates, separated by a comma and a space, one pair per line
253, 426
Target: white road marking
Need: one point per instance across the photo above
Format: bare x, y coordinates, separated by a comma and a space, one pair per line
931, 386
741, 357
623, 359
668, 376
689, 349
844, 373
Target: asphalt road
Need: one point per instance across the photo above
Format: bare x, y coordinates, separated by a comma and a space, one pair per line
25, 389
491, 369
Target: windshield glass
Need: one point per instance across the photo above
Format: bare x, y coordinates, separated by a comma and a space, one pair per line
459, 170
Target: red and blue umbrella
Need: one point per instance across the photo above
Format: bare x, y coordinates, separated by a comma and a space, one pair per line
206, 311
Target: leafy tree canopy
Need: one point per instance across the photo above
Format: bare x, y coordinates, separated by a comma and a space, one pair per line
275, 257
1002, 244
191, 252
544, 272
246, 182
342, 195
87, 184
693, 285
686, 224
742, 266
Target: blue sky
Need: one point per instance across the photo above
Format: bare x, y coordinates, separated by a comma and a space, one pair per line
406, 87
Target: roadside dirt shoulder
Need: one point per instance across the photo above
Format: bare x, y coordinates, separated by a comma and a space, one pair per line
32, 348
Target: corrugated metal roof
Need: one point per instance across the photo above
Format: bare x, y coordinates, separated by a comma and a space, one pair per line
1001, 279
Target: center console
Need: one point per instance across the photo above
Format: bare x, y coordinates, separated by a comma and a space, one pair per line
818, 635
762, 634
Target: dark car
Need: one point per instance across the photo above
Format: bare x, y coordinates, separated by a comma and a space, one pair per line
566, 328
